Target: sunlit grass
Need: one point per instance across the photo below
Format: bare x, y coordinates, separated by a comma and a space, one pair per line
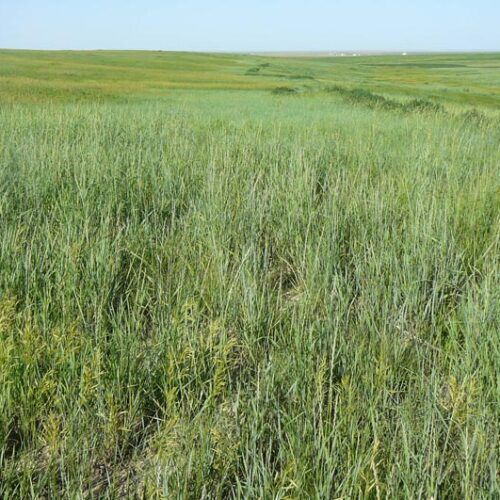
33, 76
216, 293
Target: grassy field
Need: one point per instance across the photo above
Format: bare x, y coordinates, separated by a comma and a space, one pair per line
255, 277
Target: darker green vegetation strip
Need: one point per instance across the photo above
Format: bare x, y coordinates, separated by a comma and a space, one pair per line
376, 101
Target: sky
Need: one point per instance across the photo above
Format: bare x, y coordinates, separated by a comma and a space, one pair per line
251, 25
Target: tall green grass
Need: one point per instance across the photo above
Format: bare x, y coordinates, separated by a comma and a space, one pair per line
286, 297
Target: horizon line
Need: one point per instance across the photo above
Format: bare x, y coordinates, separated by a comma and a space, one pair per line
267, 51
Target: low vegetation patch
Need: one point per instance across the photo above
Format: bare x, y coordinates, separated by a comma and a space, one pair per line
284, 91
375, 101
255, 70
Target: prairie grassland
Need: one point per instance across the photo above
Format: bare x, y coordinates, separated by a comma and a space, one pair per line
210, 289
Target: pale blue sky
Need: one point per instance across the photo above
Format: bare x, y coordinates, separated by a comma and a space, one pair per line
251, 25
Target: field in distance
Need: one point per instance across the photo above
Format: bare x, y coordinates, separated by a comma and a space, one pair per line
238, 276
471, 79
